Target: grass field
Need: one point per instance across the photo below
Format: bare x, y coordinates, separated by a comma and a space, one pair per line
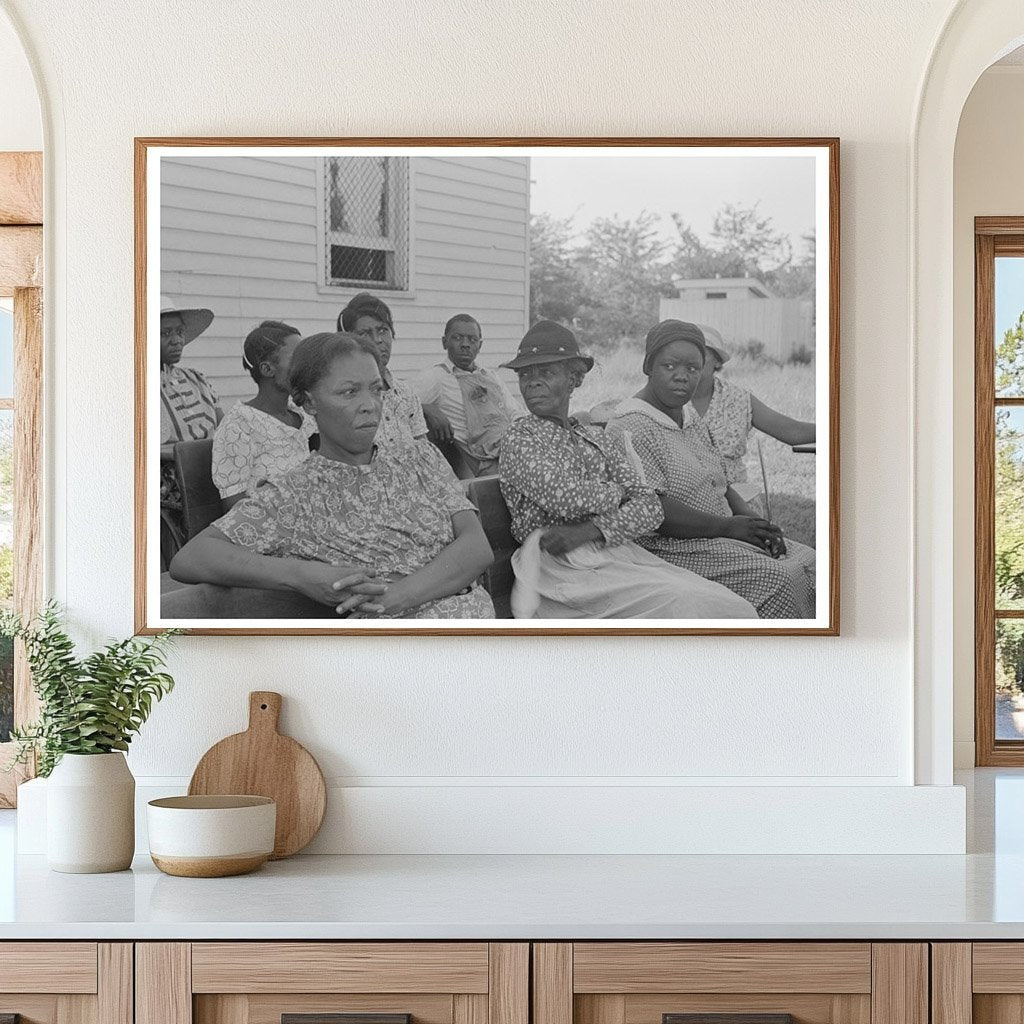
788, 389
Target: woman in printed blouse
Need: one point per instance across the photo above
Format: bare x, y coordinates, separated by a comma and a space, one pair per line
401, 420
707, 527
729, 411
267, 435
577, 503
368, 531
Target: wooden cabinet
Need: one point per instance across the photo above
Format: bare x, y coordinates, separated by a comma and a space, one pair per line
654, 982
978, 983
308, 982
66, 982
499, 983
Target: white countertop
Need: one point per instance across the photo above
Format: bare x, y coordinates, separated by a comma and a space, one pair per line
977, 896
517, 897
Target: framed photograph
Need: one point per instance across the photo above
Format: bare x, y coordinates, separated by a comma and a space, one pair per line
498, 386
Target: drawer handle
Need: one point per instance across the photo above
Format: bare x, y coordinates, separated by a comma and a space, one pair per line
339, 1018
727, 1018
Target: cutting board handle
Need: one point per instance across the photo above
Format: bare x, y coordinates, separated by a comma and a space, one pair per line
264, 710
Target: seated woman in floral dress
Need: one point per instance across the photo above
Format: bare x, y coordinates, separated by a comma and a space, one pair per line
730, 412
707, 528
370, 532
577, 504
267, 435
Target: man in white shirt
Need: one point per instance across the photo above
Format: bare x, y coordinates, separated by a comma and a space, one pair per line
464, 404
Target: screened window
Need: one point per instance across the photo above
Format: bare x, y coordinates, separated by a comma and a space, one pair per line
366, 219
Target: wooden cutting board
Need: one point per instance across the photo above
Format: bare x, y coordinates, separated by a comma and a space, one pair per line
262, 762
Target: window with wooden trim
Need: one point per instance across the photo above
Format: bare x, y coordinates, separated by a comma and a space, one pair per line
999, 490
21, 364
366, 222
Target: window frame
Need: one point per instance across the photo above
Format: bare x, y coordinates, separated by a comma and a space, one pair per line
326, 237
993, 237
21, 279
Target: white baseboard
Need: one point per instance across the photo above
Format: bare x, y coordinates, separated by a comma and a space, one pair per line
570, 819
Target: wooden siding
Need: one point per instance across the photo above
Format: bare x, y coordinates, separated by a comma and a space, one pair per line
239, 235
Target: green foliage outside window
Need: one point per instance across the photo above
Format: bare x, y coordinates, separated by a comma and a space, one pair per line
1009, 509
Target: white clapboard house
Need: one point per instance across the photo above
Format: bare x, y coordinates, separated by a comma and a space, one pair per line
294, 238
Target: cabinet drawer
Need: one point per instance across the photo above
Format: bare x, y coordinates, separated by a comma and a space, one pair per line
340, 967
634, 967
730, 983
332, 983
64, 967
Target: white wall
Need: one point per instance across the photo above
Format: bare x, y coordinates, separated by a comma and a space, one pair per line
21, 127
445, 714
987, 182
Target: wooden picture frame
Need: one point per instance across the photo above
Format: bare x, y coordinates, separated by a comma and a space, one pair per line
190, 203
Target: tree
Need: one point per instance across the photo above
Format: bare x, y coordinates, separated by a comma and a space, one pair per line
624, 273
1009, 511
796, 280
608, 282
739, 231
1010, 361
556, 290
1009, 471
742, 243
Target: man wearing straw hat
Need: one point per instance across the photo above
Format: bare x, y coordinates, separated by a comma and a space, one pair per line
189, 410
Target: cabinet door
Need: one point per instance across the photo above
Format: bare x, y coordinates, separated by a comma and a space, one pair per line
730, 983
980, 982
332, 983
66, 982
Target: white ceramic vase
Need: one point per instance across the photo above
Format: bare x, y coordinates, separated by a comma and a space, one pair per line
90, 814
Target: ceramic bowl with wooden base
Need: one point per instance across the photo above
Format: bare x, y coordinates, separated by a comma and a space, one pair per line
211, 836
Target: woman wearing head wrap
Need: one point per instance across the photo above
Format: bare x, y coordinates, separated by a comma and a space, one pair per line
707, 528
359, 529
266, 435
729, 411
402, 420
577, 503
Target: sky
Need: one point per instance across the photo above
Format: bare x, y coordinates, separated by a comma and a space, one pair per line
696, 187
6, 354
1009, 292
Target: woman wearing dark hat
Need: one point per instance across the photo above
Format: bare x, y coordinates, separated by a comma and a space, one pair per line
730, 411
707, 527
402, 420
189, 410
577, 504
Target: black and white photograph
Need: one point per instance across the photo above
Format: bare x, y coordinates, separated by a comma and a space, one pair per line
456, 386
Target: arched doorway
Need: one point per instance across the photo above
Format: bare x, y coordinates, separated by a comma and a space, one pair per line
977, 33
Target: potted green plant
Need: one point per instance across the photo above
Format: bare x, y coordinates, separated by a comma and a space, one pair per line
89, 710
